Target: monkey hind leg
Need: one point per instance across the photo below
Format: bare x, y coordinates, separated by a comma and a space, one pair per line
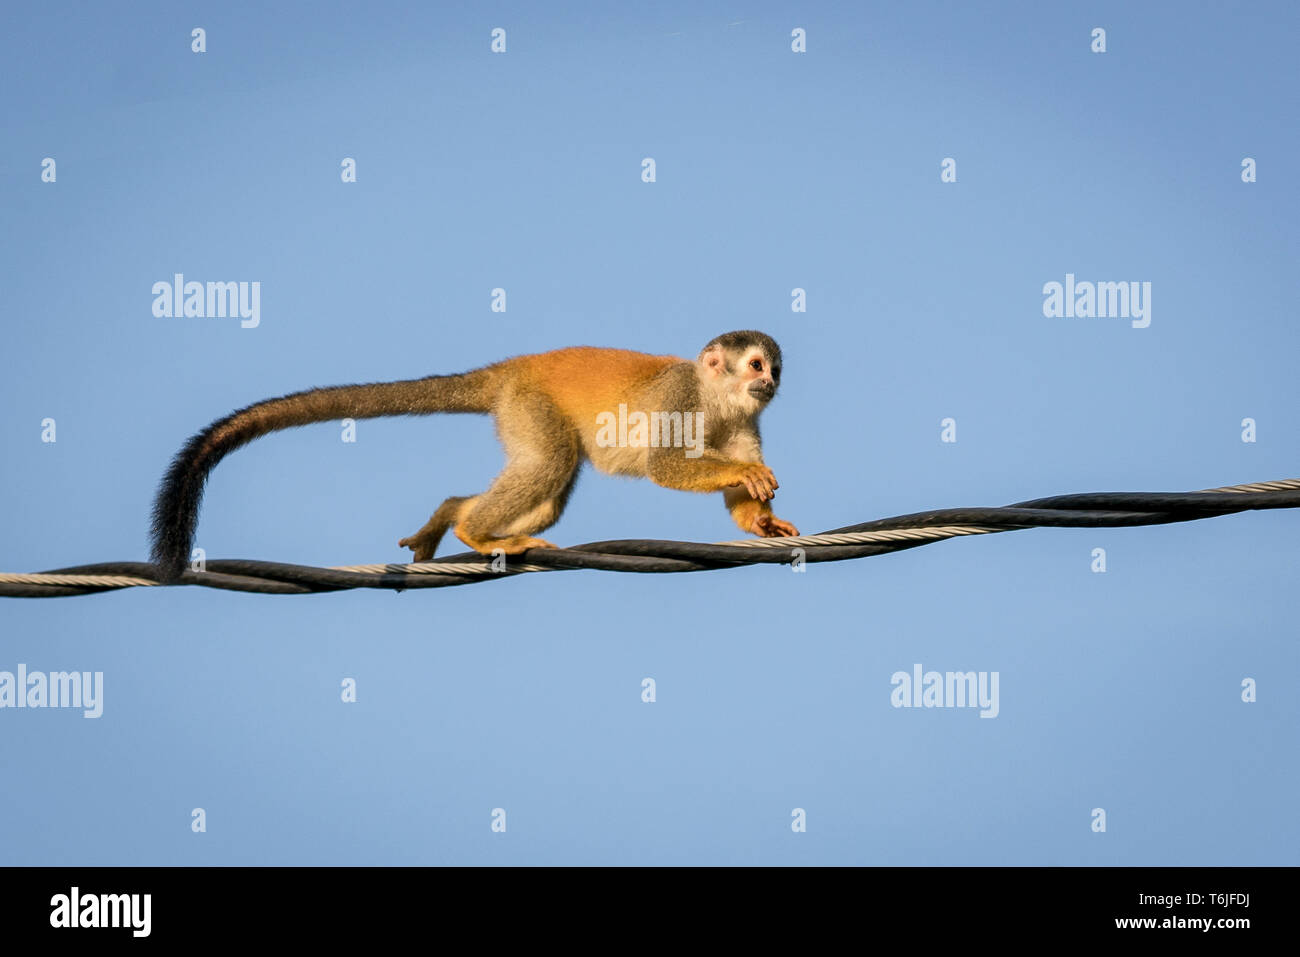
425, 542
515, 537
542, 459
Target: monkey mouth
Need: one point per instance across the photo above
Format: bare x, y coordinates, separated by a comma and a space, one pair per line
762, 392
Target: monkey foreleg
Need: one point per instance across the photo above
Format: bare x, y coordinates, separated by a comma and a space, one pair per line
756, 517
712, 475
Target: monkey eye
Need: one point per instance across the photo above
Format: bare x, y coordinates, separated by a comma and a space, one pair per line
756, 365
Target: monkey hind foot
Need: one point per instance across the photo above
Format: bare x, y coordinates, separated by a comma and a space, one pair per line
425, 542
511, 545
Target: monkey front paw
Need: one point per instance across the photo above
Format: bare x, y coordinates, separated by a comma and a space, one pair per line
768, 525
758, 481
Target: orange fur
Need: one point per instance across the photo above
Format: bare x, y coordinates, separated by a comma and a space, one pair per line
585, 381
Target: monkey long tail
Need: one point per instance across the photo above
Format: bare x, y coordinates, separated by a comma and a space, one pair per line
176, 509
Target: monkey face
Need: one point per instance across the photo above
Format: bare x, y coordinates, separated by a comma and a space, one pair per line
759, 375
745, 367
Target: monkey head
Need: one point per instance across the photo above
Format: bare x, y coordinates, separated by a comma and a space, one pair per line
744, 367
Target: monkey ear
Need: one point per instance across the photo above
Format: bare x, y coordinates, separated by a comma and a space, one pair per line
713, 361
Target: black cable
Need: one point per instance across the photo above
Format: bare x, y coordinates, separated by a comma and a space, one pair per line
1085, 510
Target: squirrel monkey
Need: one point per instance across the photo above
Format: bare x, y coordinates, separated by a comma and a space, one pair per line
686, 425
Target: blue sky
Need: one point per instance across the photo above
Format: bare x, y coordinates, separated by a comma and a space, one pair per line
775, 170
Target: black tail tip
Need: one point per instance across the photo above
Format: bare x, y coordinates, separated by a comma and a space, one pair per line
169, 567
169, 574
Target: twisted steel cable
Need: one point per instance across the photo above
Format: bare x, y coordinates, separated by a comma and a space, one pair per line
1086, 510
